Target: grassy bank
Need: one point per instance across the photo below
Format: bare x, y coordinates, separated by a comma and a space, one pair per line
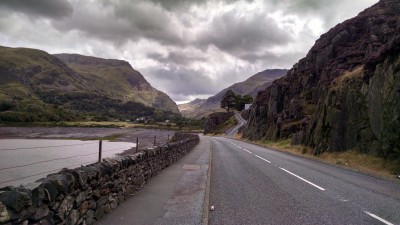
351, 159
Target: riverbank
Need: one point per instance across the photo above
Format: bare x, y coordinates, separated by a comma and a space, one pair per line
146, 136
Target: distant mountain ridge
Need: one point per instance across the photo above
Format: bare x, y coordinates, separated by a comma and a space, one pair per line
37, 86
251, 86
189, 109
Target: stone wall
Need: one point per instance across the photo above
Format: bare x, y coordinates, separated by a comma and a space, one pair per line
83, 195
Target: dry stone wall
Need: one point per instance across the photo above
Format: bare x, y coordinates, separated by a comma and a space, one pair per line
83, 195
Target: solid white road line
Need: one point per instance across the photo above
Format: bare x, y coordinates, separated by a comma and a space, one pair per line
262, 158
287, 171
378, 218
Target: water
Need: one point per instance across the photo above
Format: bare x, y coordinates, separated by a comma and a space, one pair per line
27, 160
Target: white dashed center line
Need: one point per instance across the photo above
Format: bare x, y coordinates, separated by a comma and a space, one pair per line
287, 171
378, 218
247, 151
262, 158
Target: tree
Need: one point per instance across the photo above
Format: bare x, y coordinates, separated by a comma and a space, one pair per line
235, 101
242, 101
229, 101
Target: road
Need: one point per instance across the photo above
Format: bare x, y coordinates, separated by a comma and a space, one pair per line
255, 185
241, 123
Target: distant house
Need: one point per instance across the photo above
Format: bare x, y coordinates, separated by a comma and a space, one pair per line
141, 119
167, 121
247, 106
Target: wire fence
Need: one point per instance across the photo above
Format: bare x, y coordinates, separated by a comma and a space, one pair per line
25, 171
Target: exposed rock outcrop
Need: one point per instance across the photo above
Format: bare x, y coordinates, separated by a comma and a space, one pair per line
344, 94
216, 120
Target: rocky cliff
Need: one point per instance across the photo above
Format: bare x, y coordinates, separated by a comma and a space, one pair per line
345, 94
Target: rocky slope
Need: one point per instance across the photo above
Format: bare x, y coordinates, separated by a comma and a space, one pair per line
251, 86
345, 94
37, 86
219, 122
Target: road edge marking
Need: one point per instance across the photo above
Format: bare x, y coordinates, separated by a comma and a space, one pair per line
378, 218
287, 171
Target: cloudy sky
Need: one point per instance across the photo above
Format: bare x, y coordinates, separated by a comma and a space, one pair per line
186, 48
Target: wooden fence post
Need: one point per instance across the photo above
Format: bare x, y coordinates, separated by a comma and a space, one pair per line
100, 149
137, 144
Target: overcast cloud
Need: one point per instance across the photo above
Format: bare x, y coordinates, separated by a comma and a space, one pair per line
186, 48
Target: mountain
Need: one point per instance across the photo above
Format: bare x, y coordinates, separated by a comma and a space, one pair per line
189, 109
37, 86
345, 94
118, 80
251, 86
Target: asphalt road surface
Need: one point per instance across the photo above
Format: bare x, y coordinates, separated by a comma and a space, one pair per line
255, 185
241, 122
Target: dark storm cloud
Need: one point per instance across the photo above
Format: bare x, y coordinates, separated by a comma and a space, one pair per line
272, 58
44, 8
122, 21
331, 12
178, 81
182, 4
176, 58
236, 33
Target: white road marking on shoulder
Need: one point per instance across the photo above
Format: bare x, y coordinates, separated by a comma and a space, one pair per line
287, 171
378, 218
262, 158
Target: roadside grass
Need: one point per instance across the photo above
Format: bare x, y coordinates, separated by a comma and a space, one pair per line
351, 159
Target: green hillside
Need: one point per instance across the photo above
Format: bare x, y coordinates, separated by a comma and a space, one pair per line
37, 86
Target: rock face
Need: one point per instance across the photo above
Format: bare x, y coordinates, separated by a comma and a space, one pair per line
83, 195
344, 94
215, 120
251, 86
